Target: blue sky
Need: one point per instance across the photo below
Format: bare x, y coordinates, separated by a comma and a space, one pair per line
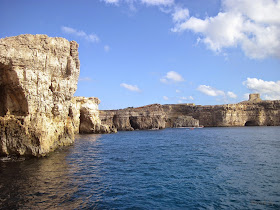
139, 52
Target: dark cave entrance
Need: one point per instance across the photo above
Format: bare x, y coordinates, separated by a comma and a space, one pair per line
251, 123
133, 123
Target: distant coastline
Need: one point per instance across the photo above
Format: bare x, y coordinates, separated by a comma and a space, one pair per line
254, 112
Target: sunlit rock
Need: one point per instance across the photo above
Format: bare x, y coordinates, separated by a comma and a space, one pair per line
38, 77
254, 112
86, 116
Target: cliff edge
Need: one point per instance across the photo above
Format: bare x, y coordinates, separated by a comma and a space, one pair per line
38, 77
254, 112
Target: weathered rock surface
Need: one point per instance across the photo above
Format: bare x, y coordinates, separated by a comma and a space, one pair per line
38, 77
147, 117
252, 112
183, 121
86, 116
141, 118
38, 113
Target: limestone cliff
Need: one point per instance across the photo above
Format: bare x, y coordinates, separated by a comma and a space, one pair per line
38, 77
253, 112
146, 117
86, 116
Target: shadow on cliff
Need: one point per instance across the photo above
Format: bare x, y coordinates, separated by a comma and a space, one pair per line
11, 93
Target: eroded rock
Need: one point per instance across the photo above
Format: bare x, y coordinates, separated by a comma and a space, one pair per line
38, 77
141, 118
86, 116
253, 112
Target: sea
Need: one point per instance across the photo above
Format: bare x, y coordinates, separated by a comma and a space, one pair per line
174, 168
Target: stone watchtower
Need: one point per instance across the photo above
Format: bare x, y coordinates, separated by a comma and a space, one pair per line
255, 97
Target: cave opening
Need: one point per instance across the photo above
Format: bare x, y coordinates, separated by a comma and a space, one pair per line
12, 97
251, 123
133, 123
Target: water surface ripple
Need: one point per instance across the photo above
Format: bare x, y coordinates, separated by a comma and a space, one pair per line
209, 168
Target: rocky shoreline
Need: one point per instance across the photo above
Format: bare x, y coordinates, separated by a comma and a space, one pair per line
39, 113
254, 112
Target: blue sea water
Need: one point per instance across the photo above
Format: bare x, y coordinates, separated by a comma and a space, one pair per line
209, 168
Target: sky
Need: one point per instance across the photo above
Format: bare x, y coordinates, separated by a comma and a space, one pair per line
140, 52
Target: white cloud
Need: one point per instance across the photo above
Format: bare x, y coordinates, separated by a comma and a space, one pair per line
231, 94
254, 25
133, 88
163, 80
261, 11
158, 2
172, 76
165, 98
269, 90
82, 79
68, 30
92, 38
111, 1
107, 48
89, 37
147, 2
210, 91
246, 96
180, 14
178, 91
183, 99
186, 98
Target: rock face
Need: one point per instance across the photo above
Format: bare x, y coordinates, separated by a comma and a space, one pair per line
86, 116
38, 77
141, 118
147, 117
182, 121
253, 112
